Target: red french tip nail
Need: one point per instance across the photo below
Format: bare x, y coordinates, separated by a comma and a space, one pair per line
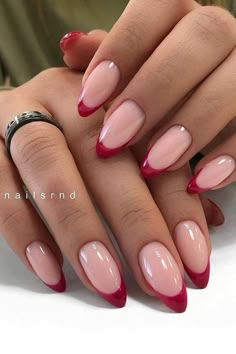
117, 299
85, 111
147, 171
193, 188
68, 39
103, 152
177, 303
217, 215
60, 286
200, 280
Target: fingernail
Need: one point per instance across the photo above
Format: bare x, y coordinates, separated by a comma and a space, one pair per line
98, 87
217, 217
212, 174
68, 39
163, 275
103, 273
193, 251
166, 151
120, 128
46, 265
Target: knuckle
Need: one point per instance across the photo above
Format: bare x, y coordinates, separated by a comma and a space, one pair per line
213, 23
134, 210
86, 140
36, 147
212, 106
173, 195
170, 3
71, 219
53, 72
10, 218
132, 36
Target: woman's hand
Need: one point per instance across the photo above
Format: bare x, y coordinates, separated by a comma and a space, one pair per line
155, 239
169, 69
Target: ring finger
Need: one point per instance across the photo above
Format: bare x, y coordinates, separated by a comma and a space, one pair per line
33, 244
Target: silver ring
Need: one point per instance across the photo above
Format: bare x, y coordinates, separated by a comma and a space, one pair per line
25, 118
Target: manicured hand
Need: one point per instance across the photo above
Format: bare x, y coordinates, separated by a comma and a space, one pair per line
167, 68
156, 240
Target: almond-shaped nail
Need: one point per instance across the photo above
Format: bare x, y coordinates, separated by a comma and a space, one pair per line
103, 273
68, 39
193, 250
166, 151
98, 87
122, 125
46, 265
163, 275
212, 174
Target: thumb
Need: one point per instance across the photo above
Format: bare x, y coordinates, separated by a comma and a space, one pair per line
79, 48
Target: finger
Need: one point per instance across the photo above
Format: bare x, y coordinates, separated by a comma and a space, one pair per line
185, 218
191, 128
137, 110
126, 203
33, 244
140, 29
217, 169
123, 216
137, 224
79, 48
45, 163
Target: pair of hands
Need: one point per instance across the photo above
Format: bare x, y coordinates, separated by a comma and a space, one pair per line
161, 229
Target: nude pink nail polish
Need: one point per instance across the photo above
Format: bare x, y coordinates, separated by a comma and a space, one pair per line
98, 87
46, 266
166, 151
103, 273
192, 248
212, 174
120, 128
163, 275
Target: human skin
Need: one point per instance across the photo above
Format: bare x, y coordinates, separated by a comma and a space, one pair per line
138, 213
179, 76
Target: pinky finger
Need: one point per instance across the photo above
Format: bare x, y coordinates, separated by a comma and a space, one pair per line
217, 169
24, 230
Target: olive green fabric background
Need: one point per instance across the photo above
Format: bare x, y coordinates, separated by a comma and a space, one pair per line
30, 31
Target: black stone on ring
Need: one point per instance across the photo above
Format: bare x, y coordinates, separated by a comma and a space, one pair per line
25, 118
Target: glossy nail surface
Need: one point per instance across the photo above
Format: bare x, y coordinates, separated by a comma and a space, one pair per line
163, 275
68, 39
45, 265
98, 87
212, 174
193, 251
166, 151
103, 272
122, 125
